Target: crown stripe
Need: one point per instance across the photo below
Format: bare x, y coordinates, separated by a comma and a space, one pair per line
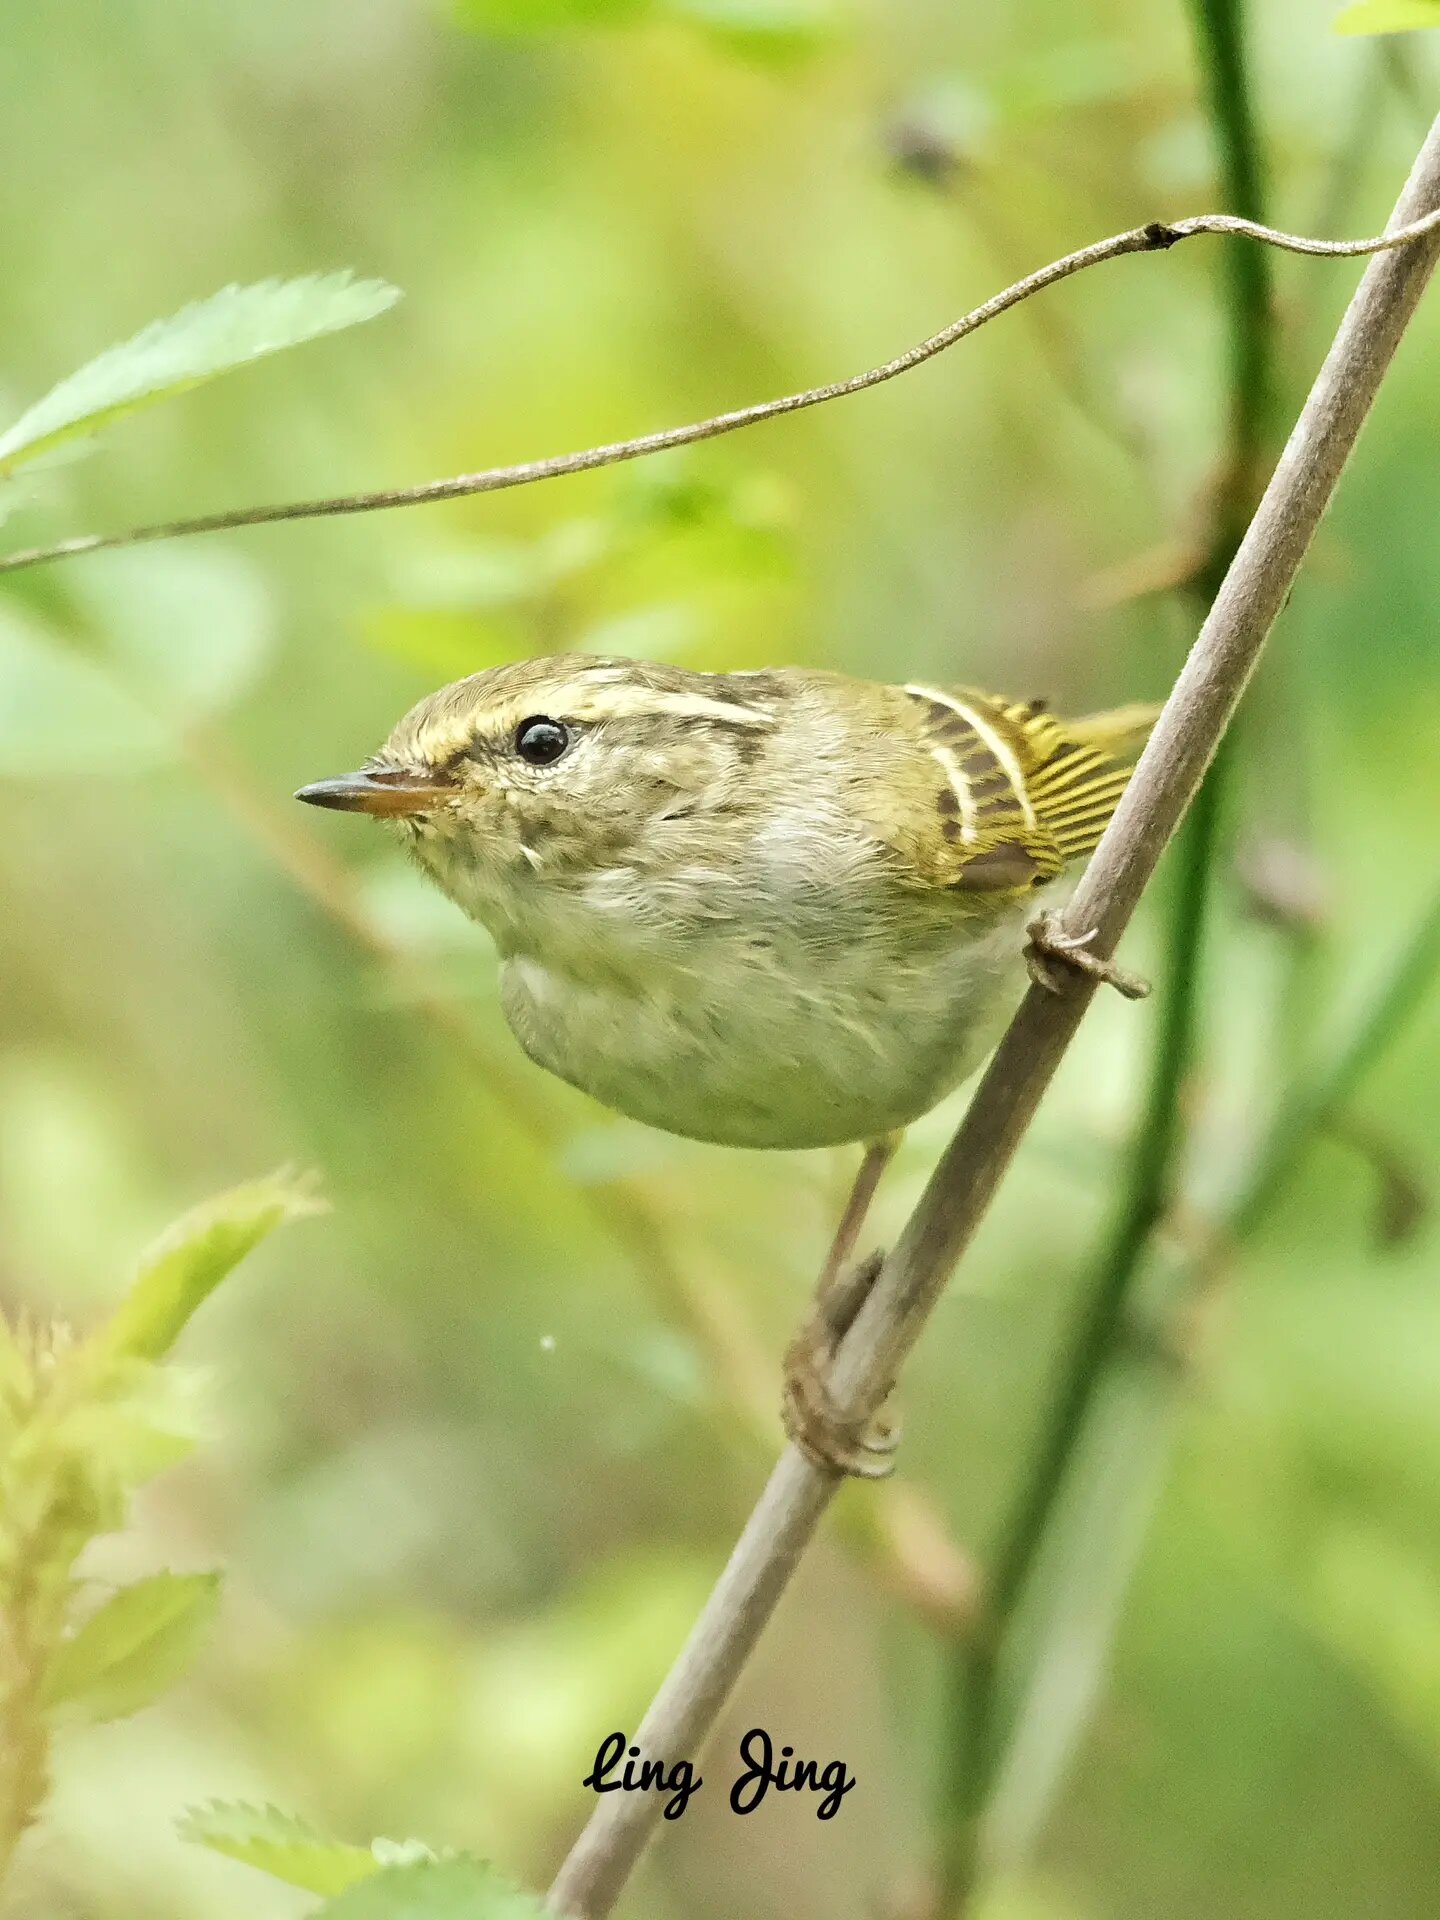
620, 702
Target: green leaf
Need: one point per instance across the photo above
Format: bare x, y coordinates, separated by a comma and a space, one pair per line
133, 1647
1389, 16
761, 26
751, 26
276, 1843
1068, 1624
234, 326
193, 1256
435, 1890
545, 16
133, 1422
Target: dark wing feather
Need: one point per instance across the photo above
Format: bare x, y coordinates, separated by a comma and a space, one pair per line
1020, 792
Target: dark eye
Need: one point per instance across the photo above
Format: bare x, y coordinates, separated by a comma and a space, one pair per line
539, 741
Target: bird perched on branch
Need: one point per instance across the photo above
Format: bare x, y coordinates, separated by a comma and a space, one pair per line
771, 909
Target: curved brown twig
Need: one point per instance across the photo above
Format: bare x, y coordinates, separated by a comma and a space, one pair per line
1155, 237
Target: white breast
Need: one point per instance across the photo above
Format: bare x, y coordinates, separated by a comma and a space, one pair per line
789, 999
770, 1043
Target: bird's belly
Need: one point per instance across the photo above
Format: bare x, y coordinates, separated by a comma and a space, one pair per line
757, 1056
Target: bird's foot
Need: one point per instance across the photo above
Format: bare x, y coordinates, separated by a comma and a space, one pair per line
1051, 951
831, 1439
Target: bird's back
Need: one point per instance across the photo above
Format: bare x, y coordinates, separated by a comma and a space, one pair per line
852, 955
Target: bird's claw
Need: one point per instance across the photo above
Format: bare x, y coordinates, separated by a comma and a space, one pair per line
1051, 950
837, 1442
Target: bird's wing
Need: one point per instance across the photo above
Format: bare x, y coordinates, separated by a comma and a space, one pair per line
1018, 792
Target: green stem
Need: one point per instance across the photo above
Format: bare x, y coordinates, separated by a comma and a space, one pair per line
1303, 1112
1309, 1104
971, 1755
24, 1737
1220, 39
1143, 1205
970, 1677
970, 1747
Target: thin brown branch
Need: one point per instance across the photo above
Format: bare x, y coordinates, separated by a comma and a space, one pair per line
1186, 737
1151, 238
983, 1747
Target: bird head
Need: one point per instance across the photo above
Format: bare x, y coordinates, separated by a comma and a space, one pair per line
541, 775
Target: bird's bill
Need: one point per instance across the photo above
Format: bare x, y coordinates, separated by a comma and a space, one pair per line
385, 792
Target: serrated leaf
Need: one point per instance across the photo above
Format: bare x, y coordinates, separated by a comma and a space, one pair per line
136, 1420
403, 1853
435, 1890
192, 1257
280, 1845
170, 356
1389, 16
133, 1647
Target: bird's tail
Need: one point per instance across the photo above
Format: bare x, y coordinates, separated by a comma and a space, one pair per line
1120, 732
1082, 768
1074, 770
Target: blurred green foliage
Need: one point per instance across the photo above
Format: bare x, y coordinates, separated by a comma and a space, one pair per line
473, 1468
83, 1423
1388, 16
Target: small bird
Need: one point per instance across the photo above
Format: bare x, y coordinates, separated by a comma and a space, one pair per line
782, 909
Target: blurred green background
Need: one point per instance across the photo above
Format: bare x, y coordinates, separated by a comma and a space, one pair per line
472, 1471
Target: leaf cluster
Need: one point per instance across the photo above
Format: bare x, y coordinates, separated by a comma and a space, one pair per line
83, 1423
388, 1880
